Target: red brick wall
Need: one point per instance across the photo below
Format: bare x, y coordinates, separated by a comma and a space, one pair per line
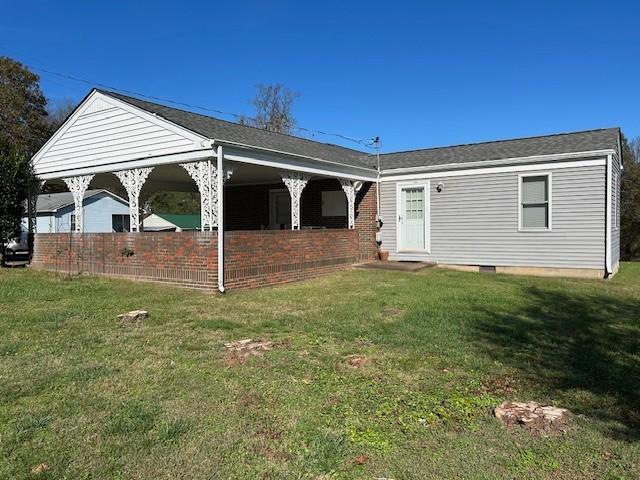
185, 258
366, 212
253, 258
271, 257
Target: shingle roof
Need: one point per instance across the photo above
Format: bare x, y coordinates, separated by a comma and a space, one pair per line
497, 150
216, 129
183, 221
49, 202
223, 130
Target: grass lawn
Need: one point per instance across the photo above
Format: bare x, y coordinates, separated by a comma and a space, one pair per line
93, 399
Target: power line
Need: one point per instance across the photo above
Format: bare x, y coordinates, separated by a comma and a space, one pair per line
367, 142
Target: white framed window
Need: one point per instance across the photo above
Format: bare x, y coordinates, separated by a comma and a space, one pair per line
120, 223
73, 223
534, 202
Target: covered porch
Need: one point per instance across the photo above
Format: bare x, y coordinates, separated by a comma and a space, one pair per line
267, 215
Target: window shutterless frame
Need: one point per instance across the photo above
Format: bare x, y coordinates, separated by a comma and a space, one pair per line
548, 228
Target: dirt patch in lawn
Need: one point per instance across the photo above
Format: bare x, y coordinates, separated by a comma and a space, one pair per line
357, 361
239, 350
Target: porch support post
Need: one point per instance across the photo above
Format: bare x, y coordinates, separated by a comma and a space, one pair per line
295, 182
132, 181
350, 191
78, 186
205, 174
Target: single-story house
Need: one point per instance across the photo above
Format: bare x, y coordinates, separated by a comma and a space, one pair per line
276, 208
103, 212
171, 222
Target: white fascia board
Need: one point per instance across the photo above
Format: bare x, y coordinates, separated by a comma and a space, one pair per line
297, 163
489, 170
198, 139
191, 156
503, 161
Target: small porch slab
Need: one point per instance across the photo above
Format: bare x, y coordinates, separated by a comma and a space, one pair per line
398, 266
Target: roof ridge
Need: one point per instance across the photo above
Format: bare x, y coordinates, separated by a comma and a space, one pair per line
109, 92
530, 137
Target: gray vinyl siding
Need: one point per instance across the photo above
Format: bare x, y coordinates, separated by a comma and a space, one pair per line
474, 221
615, 222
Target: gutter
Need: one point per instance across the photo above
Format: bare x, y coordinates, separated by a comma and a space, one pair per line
220, 187
607, 240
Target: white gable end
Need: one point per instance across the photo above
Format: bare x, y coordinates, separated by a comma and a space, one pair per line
105, 131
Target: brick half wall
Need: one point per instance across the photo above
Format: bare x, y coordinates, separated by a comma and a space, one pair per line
183, 258
271, 257
253, 258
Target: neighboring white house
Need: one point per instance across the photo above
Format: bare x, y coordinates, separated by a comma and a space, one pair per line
103, 212
169, 222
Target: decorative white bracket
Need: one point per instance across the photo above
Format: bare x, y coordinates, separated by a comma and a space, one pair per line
78, 186
350, 191
204, 173
132, 181
295, 182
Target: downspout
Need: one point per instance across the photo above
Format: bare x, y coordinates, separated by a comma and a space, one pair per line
607, 242
220, 188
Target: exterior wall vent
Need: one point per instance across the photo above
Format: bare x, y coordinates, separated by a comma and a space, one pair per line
487, 269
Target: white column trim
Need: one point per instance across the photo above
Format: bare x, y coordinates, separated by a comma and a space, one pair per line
350, 191
132, 181
78, 187
295, 182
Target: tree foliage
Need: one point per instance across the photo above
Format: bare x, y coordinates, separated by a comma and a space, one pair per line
274, 109
23, 130
59, 111
23, 114
16, 178
173, 202
630, 201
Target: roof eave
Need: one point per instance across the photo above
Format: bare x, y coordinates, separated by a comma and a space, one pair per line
497, 162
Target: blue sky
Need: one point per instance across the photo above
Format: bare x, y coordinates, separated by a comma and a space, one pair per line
418, 74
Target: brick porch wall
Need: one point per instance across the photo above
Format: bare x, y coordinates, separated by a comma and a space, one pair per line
184, 258
253, 258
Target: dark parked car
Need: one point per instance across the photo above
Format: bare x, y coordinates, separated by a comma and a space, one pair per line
18, 246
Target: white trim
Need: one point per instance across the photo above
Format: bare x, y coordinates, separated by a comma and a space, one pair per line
607, 246
549, 227
532, 158
302, 165
95, 95
296, 155
489, 170
190, 156
426, 191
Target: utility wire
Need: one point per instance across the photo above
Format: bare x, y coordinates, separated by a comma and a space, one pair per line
368, 142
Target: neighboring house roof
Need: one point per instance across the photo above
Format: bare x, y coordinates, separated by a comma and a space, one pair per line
182, 221
216, 129
51, 202
574, 142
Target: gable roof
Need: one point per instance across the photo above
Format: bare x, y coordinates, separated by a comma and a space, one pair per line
183, 221
51, 202
590, 140
216, 129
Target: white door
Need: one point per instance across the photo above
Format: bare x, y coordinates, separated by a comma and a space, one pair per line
411, 218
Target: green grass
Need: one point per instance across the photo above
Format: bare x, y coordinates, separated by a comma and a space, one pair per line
93, 399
